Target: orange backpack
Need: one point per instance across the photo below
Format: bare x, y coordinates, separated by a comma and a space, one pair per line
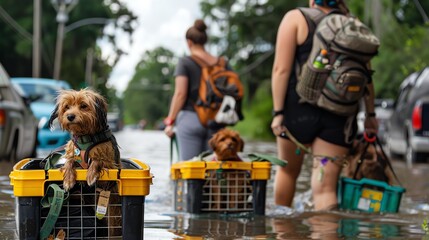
219, 95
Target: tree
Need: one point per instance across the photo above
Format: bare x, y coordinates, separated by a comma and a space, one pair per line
17, 47
148, 93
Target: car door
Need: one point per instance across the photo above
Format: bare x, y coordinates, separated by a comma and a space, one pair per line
396, 122
29, 131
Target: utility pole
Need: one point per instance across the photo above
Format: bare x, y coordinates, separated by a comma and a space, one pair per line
88, 67
63, 7
36, 37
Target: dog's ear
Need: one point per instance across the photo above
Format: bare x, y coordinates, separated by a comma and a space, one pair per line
212, 142
240, 144
101, 110
54, 115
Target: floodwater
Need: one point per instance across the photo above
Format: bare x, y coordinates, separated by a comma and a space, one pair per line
301, 222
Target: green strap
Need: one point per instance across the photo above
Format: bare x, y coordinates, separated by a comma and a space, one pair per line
257, 157
173, 142
52, 159
53, 199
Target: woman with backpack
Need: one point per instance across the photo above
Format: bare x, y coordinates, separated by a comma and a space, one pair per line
304, 127
192, 136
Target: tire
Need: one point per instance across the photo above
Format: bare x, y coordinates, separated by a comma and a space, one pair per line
14, 151
389, 149
411, 156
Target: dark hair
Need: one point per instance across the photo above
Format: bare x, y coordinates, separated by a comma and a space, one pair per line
197, 33
339, 4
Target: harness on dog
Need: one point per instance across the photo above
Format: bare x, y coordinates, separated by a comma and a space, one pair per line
373, 139
87, 142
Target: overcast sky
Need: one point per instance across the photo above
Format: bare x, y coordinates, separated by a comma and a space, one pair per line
160, 23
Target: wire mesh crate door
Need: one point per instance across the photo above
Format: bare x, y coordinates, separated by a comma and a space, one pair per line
78, 214
227, 190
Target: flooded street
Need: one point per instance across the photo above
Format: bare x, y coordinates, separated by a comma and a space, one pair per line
162, 222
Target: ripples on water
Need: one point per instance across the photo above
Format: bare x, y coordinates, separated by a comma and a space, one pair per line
161, 222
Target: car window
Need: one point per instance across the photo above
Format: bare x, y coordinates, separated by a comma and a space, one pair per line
47, 93
403, 97
4, 77
423, 77
6, 94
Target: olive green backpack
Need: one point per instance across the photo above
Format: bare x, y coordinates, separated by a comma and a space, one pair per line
340, 84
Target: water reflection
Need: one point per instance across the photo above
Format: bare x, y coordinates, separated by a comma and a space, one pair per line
219, 226
162, 222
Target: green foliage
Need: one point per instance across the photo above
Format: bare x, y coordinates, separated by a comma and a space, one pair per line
16, 49
257, 121
425, 226
149, 91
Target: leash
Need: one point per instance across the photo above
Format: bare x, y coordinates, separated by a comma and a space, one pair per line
173, 142
375, 141
257, 157
308, 150
53, 199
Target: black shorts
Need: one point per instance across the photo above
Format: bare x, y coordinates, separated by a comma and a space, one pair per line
307, 122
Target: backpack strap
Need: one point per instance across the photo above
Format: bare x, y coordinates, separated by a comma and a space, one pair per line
313, 16
202, 63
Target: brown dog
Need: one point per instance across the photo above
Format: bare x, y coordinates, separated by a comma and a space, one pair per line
84, 114
226, 144
373, 164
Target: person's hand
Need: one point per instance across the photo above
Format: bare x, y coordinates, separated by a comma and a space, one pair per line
169, 131
371, 125
277, 125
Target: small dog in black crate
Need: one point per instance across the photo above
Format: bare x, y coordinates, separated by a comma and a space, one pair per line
226, 144
92, 146
369, 161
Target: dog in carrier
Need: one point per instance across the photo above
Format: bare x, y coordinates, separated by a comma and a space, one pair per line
368, 160
92, 146
227, 188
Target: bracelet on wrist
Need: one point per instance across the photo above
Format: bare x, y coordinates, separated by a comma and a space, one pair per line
371, 114
276, 113
168, 121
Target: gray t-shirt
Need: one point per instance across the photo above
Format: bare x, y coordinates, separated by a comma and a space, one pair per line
190, 69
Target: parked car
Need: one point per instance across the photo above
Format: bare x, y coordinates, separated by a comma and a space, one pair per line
45, 91
114, 121
18, 125
408, 126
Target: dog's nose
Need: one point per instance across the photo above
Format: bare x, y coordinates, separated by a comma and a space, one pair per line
71, 117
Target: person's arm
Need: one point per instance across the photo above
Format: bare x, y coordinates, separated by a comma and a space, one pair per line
286, 43
371, 124
177, 102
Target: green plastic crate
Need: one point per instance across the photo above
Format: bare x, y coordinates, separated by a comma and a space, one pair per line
367, 195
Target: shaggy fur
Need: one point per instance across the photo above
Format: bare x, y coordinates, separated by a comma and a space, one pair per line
84, 113
226, 144
373, 166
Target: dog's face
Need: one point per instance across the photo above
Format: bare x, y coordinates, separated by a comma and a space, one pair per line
226, 143
373, 165
80, 112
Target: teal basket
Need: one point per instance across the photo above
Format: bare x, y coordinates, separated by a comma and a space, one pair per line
367, 195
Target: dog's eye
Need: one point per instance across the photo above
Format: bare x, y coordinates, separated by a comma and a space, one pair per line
67, 107
83, 106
